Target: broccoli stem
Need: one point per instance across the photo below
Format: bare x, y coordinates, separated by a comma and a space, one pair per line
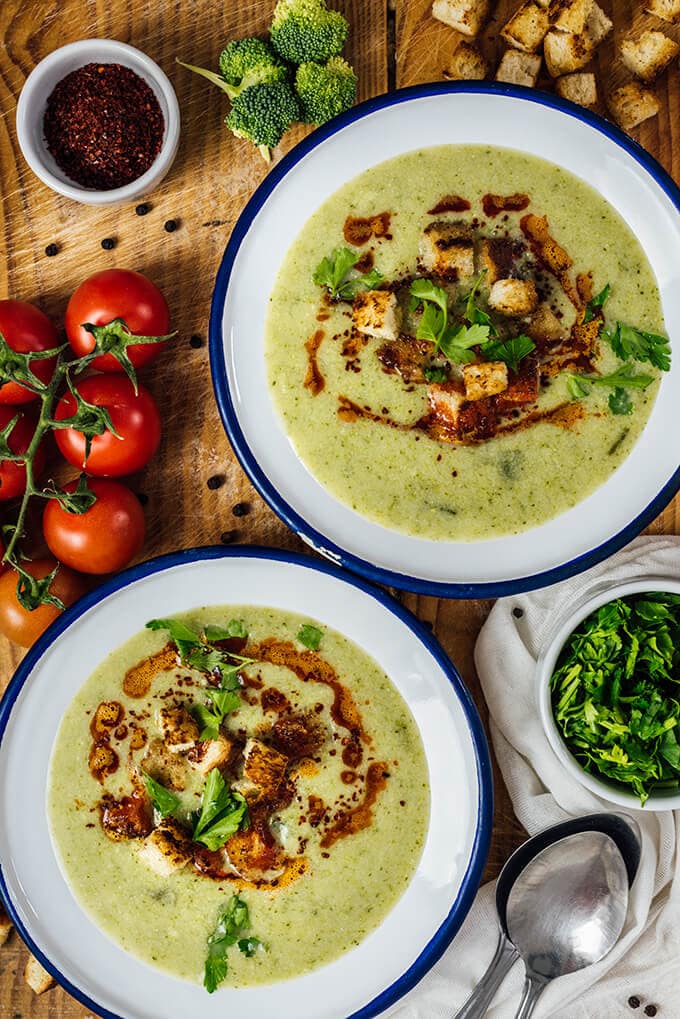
216, 79
265, 152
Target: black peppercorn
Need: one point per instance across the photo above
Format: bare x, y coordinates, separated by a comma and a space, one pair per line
227, 537
651, 1010
634, 1001
241, 509
51, 250
215, 481
170, 225
196, 341
108, 243
142, 209
518, 613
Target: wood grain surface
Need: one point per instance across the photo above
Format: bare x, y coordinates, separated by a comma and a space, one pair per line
392, 44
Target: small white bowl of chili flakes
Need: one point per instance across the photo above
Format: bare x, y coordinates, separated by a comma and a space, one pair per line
98, 121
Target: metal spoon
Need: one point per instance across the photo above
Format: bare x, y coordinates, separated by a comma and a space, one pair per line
567, 910
625, 834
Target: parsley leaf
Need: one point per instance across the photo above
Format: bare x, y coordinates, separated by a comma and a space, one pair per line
456, 342
435, 373
234, 628
310, 636
630, 343
453, 341
473, 313
331, 272
164, 801
623, 377
223, 813
231, 924
511, 351
620, 402
197, 653
598, 301
249, 946
183, 636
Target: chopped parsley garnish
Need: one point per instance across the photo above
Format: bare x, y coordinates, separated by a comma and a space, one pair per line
473, 313
223, 812
197, 651
597, 302
234, 628
211, 718
332, 273
233, 922
630, 343
623, 378
435, 373
511, 351
453, 341
310, 636
620, 402
163, 800
616, 692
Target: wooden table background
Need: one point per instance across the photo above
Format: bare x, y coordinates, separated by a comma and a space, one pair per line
393, 43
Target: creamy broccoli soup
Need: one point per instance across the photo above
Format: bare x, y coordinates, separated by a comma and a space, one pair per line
240, 775
464, 342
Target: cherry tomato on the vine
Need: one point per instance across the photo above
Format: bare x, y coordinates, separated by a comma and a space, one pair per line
118, 293
134, 416
22, 626
13, 473
105, 537
26, 329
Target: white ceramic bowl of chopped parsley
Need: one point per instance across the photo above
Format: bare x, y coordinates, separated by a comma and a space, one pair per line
608, 685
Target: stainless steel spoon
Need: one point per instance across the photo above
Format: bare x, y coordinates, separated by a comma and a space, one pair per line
625, 834
567, 910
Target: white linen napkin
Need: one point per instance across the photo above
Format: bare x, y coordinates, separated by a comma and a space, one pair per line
641, 975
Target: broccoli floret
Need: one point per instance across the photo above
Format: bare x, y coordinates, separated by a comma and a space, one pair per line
242, 56
325, 91
262, 113
304, 30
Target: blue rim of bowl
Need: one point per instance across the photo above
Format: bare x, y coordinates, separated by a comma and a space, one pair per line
295, 521
480, 847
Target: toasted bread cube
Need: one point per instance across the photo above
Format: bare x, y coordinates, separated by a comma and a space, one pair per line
377, 313
166, 767
545, 327
519, 68
37, 977
445, 400
210, 754
649, 55
631, 104
580, 88
485, 379
466, 16
527, 28
598, 25
667, 10
5, 926
263, 771
466, 64
179, 729
566, 52
570, 15
447, 249
513, 297
167, 849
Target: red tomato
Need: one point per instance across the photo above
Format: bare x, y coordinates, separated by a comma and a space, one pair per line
26, 329
118, 293
22, 626
13, 474
104, 538
135, 418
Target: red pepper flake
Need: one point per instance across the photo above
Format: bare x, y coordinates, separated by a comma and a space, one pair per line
103, 125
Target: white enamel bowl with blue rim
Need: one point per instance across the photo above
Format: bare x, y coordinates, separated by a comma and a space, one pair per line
517, 118
389, 961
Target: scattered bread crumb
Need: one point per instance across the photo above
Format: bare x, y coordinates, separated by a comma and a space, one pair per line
466, 64
519, 68
37, 978
580, 88
631, 104
649, 54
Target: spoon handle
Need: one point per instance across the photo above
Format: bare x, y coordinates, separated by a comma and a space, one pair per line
530, 995
504, 959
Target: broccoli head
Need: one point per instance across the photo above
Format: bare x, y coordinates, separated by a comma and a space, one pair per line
304, 30
242, 55
262, 113
325, 91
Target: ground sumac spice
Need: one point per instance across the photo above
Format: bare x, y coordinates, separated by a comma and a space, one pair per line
103, 125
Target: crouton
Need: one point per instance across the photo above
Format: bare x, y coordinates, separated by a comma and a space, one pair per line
631, 104
170, 769
37, 977
127, 818
447, 250
513, 297
667, 10
5, 926
254, 856
377, 313
648, 55
545, 327
210, 754
570, 15
179, 729
263, 771
598, 25
519, 68
466, 16
466, 64
495, 257
580, 88
445, 400
167, 849
527, 28
485, 379
566, 52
